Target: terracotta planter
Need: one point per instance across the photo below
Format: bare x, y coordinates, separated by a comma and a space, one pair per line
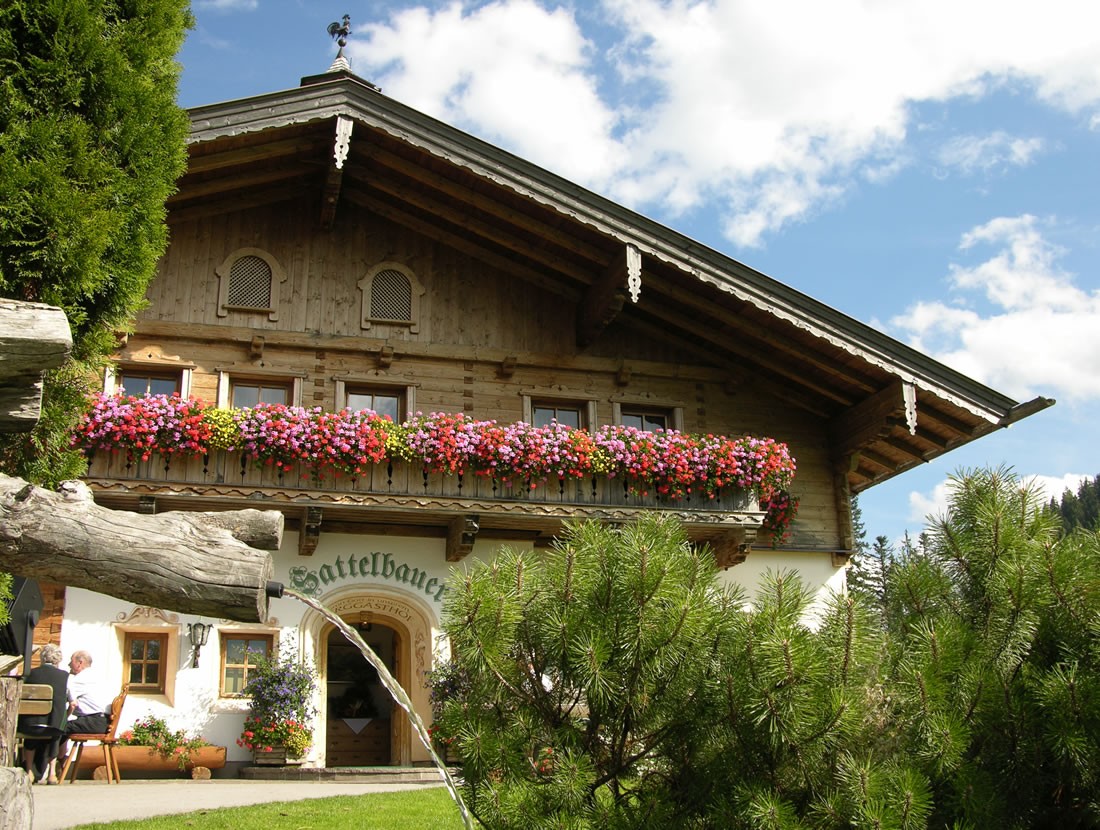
144, 759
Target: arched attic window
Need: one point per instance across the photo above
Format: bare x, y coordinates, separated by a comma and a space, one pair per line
246, 282
391, 295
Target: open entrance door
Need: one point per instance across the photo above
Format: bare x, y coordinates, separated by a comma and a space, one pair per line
360, 710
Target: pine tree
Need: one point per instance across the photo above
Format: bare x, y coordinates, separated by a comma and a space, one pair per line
866, 575
91, 143
612, 682
995, 670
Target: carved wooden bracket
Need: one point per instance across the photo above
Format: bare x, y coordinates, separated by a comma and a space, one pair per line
508, 366
256, 347
310, 533
622, 377
461, 535
385, 357
841, 558
733, 548
335, 178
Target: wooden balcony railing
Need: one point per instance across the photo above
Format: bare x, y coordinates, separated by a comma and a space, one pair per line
403, 485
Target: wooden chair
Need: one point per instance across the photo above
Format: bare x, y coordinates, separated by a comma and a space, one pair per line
107, 740
34, 699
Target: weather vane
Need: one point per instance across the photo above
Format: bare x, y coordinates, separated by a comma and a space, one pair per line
340, 32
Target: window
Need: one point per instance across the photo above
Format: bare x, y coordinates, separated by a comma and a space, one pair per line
239, 652
254, 386
647, 417
645, 421
386, 403
569, 412
249, 284
391, 295
146, 659
139, 382
149, 379
246, 282
393, 402
148, 655
248, 393
570, 415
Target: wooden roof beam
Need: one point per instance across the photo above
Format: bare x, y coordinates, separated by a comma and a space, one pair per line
265, 153
708, 356
492, 233
494, 207
507, 265
281, 193
788, 372
606, 296
218, 186
334, 178
697, 301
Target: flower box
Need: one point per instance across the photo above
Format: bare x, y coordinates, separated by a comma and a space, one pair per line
146, 759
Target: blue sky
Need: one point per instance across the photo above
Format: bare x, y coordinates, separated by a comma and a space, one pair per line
930, 168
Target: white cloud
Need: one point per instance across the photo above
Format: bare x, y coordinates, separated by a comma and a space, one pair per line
982, 154
1052, 487
768, 109
512, 72
933, 504
923, 506
1017, 321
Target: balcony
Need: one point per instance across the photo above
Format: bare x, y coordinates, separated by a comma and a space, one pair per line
517, 481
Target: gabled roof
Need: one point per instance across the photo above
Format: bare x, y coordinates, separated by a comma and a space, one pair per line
888, 406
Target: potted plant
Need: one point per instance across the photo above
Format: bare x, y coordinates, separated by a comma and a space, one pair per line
277, 729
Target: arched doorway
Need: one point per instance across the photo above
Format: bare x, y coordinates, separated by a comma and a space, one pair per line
399, 629
360, 710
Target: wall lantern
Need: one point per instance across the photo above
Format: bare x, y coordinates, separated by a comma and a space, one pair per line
198, 633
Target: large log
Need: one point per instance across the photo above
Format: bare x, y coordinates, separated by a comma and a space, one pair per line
176, 561
33, 338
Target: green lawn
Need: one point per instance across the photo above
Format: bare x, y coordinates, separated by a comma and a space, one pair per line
427, 809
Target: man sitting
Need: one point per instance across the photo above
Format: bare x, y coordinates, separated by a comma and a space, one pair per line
89, 705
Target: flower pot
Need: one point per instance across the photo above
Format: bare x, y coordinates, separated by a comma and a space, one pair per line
277, 757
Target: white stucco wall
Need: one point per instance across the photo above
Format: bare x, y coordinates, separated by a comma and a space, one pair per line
411, 570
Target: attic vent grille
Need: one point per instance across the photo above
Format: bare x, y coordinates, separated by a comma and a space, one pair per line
391, 296
250, 283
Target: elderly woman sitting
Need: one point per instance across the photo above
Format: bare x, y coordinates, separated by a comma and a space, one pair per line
40, 753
